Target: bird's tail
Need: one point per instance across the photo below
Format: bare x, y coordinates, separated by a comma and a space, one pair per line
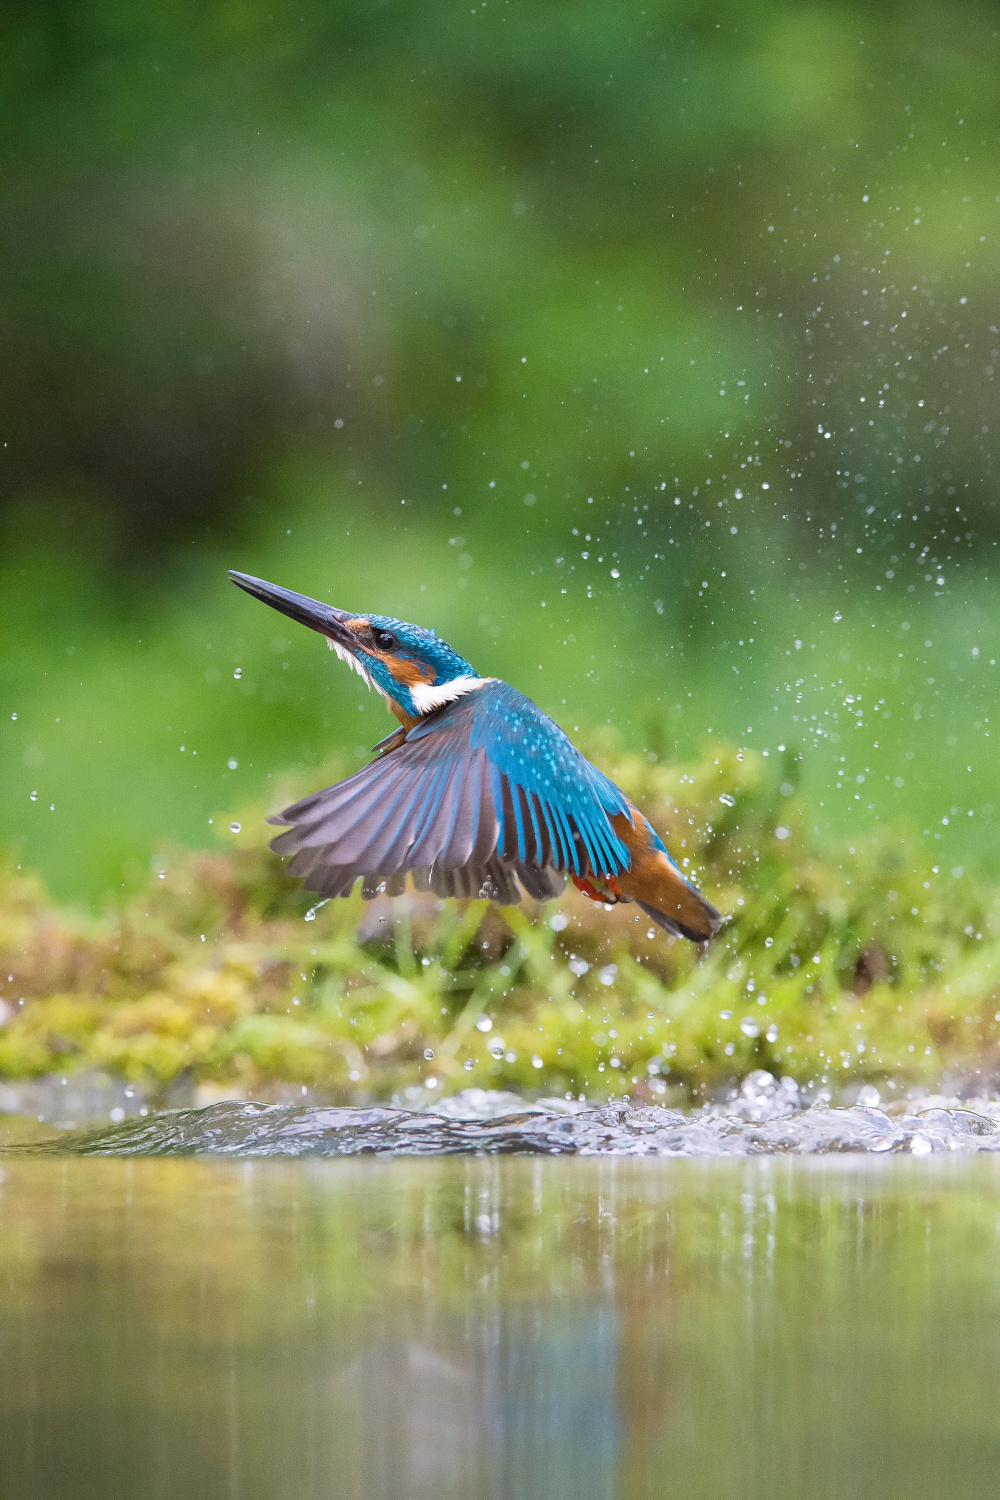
656, 885
698, 924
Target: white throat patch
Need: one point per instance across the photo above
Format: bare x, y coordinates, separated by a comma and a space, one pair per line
355, 665
425, 698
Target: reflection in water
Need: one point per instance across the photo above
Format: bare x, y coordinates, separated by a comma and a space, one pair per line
513, 1406
501, 1328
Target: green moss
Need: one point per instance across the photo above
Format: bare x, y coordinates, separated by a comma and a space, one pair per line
865, 965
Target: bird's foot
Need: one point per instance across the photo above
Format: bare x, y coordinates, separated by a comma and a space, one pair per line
610, 894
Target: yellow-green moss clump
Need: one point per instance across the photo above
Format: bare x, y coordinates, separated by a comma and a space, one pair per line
869, 966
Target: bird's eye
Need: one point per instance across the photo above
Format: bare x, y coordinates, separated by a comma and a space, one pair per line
385, 640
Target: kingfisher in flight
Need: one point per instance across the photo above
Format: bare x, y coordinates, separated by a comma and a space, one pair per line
478, 793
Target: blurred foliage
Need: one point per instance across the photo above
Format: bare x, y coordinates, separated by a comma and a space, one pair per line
615, 240
875, 968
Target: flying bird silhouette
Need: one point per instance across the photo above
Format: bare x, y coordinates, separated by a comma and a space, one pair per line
476, 794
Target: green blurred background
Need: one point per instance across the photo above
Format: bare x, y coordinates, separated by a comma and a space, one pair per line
645, 351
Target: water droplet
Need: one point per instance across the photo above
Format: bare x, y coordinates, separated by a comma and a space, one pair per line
615, 573
536, 1062
235, 827
749, 1026
232, 764
33, 796
727, 800
559, 922
238, 673
311, 913
772, 1033
428, 1053
13, 716
484, 1024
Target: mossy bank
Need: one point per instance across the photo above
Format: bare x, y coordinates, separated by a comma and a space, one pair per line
867, 965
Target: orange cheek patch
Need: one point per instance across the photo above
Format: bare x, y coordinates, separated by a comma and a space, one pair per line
406, 671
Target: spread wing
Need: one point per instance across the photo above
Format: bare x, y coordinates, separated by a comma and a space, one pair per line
485, 790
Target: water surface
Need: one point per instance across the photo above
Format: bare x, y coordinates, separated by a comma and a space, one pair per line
499, 1327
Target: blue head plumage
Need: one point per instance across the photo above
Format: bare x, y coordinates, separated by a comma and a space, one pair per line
412, 667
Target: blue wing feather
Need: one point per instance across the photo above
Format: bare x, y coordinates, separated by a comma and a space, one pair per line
488, 778
532, 751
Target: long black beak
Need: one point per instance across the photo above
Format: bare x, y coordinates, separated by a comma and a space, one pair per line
322, 617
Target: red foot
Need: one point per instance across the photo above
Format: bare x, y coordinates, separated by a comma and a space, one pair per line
612, 894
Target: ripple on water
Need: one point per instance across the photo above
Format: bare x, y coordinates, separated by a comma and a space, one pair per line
758, 1123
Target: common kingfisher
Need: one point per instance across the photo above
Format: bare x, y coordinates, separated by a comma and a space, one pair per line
476, 793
